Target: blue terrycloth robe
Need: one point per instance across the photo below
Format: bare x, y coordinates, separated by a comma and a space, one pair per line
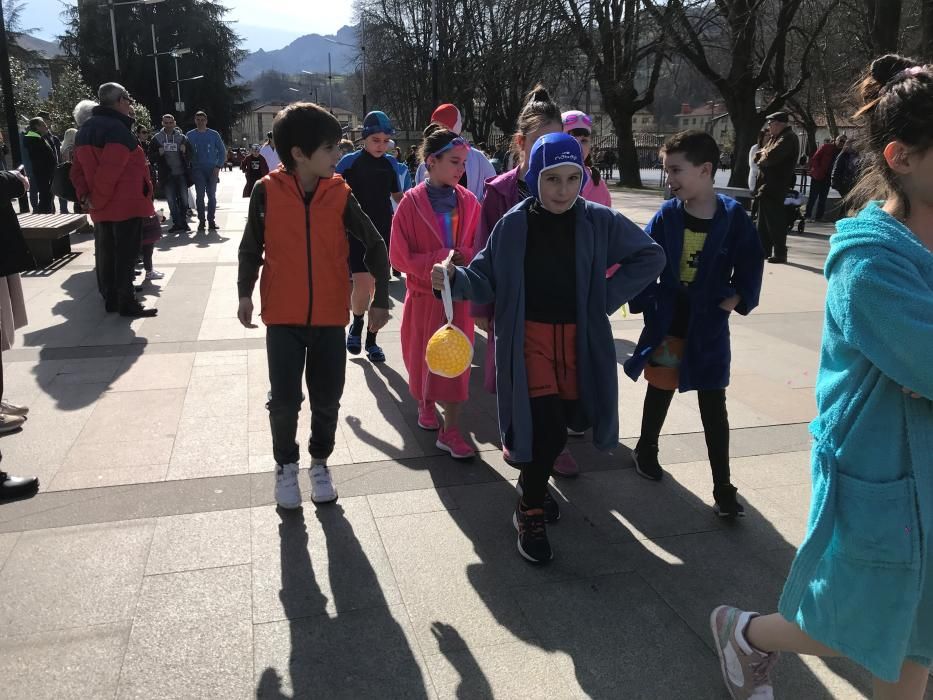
603, 238
731, 263
859, 583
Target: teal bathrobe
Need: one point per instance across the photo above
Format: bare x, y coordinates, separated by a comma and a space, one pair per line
859, 583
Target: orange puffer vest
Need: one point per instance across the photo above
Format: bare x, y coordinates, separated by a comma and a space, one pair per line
305, 276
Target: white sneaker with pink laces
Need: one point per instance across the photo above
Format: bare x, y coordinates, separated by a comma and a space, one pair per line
745, 670
452, 441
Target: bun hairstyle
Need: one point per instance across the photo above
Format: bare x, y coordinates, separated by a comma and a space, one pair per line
539, 111
436, 136
897, 100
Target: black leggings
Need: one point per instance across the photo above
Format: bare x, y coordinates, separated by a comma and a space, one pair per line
146, 252
549, 418
715, 425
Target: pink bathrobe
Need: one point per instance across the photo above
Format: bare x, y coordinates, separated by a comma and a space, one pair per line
416, 244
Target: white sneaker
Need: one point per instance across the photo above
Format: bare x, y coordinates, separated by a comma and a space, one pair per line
322, 484
11, 409
287, 492
154, 275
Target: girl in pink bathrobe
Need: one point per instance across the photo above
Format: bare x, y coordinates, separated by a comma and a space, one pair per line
434, 218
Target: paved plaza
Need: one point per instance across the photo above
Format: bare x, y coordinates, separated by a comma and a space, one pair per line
154, 563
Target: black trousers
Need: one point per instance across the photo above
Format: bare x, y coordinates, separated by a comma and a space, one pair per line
319, 352
715, 425
549, 419
772, 226
819, 191
45, 202
117, 248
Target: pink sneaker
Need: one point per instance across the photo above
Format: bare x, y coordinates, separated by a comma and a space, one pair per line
427, 416
566, 465
452, 441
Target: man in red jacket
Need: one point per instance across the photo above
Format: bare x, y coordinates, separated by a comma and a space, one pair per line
821, 167
112, 181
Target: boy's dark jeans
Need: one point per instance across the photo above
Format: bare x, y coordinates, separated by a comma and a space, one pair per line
320, 353
715, 425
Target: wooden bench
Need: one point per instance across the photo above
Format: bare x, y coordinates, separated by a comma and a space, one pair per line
48, 235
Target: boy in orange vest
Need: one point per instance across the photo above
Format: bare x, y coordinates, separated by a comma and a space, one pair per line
297, 231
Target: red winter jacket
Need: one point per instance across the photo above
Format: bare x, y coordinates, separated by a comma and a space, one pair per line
110, 169
821, 163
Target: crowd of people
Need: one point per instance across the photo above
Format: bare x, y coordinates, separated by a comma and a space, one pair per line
537, 259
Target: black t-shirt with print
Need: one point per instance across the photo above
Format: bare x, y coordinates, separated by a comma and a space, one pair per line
695, 232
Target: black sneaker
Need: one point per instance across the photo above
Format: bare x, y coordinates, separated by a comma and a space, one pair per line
212, 225
201, 227
533, 544
137, 310
727, 505
646, 462
548, 505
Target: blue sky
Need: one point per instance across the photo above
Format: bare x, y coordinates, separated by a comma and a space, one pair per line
260, 26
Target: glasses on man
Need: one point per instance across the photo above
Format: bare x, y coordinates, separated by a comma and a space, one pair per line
459, 141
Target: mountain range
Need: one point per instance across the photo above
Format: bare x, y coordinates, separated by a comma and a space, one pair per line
309, 52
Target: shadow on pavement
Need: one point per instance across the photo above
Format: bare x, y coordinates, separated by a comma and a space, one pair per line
357, 653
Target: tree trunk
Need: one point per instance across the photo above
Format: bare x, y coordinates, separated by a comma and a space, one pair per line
926, 30
747, 123
620, 111
884, 18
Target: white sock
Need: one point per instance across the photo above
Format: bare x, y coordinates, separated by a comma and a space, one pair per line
740, 627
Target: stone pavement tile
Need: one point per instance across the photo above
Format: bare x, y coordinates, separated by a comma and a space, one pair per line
774, 470
625, 506
223, 328
779, 403
215, 446
384, 505
7, 542
83, 662
484, 518
155, 372
118, 503
115, 454
214, 397
191, 595
358, 654
145, 415
504, 671
70, 479
207, 657
221, 363
98, 370
72, 577
622, 638
315, 560
470, 619
718, 568
200, 541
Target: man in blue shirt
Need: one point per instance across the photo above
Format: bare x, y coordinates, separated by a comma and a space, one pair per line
208, 154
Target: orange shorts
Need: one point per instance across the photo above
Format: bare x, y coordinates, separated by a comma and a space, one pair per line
551, 359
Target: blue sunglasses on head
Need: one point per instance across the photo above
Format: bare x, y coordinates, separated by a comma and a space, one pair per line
459, 141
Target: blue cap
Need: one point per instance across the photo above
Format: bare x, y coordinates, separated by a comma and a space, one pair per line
375, 123
551, 151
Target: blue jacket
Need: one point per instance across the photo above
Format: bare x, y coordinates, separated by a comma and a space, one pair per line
731, 263
859, 582
207, 149
603, 238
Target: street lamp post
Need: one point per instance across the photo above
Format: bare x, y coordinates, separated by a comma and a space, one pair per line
313, 86
362, 47
113, 23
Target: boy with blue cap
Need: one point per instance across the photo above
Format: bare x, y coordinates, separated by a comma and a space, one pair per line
545, 267
373, 178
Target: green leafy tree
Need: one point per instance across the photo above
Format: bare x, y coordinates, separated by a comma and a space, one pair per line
25, 90
197, 25
68, 88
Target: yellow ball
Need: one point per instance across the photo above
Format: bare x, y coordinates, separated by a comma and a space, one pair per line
449, 352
